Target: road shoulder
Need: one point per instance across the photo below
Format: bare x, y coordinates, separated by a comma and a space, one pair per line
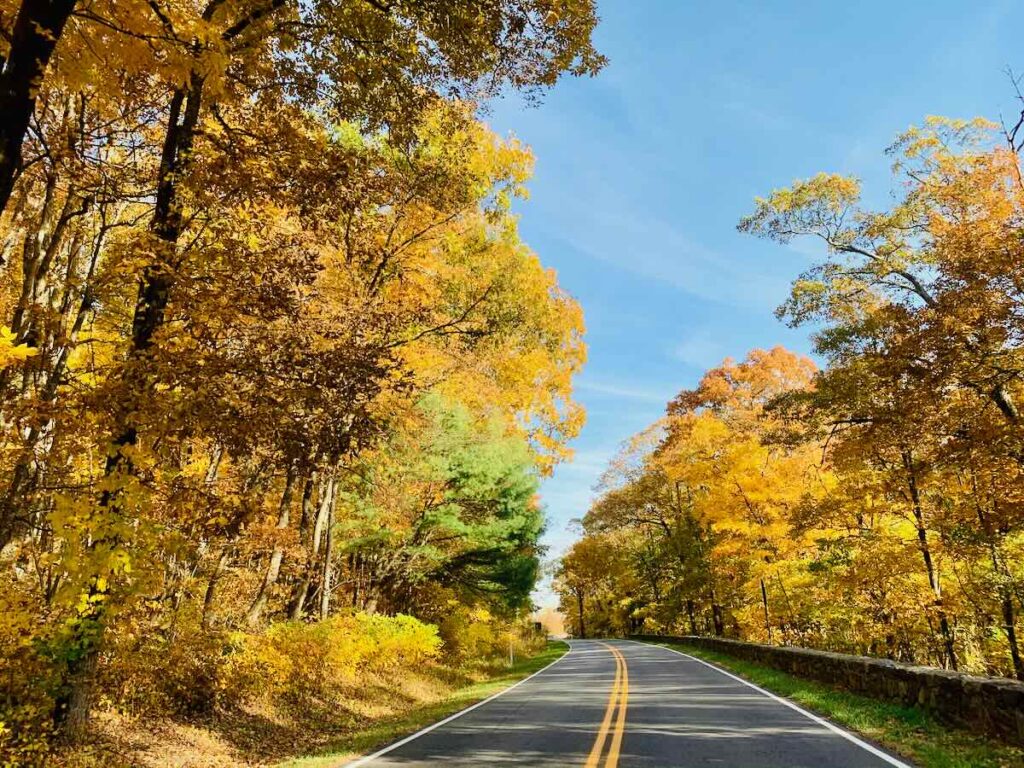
907, 732
354, 746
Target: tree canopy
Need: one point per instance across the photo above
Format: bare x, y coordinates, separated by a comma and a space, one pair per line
871, 506
253, 252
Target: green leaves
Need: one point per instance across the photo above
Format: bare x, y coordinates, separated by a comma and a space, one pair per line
449, 500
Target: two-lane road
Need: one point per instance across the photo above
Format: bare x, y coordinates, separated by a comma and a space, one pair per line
622, 704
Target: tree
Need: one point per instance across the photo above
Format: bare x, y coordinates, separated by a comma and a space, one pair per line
919, 310
30, 44
240, 248
872, 506
586, 579
450, 501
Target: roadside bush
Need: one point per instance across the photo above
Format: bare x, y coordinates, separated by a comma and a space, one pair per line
475, 635
184, 670
169, 670
194, 672
469, 633
297, 660
26, 684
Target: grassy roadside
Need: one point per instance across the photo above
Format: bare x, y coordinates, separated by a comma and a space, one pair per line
386, 731
908, 731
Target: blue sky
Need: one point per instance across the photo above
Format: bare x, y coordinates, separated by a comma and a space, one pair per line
643, 172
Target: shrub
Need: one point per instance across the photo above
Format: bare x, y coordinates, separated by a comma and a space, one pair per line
26, 686
477, 635
297, 660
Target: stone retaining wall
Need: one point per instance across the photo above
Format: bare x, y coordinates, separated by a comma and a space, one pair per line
993, 705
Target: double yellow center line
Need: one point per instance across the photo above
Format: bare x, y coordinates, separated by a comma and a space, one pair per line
617, 700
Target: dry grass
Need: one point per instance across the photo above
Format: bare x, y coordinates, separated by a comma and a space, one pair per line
269, 733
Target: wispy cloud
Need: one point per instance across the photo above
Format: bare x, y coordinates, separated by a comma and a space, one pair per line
647, 395
655, 249
591, 462
619, 212
699, 350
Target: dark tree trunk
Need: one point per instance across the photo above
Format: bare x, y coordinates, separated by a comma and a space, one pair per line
926, 555
299, 596
579, 605
947, 639
1009, 626
767, 618
37, 29
1005, 404
1000, 572
211, 587
301, 585
74, 699
718, 619
154, 291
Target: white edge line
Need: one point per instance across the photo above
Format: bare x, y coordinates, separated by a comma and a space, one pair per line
819, 720
366, 759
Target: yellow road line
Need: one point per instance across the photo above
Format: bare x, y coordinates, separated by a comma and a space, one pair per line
617, 699
602, 733
620, 724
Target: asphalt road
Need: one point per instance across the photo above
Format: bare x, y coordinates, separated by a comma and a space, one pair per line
628, 704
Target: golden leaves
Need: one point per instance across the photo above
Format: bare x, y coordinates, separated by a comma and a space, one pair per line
12, 353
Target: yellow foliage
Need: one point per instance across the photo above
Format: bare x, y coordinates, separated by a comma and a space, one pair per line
10, 352
300, 660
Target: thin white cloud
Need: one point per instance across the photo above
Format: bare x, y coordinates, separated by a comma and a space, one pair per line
604, 212
700, 351
658, 250
565, 499
626, 392
587, 462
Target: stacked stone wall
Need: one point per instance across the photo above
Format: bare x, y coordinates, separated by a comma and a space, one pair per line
992, 705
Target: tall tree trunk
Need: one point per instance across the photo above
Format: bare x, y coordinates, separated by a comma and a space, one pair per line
325, 584
1005, 592
767, 617
717, 617
154, 289
211, 587
255, 611
1009, 626
301, 585
71, 713
302, 588
37, 29
579, 607
149, 314
926, 555
691, 616
153, 296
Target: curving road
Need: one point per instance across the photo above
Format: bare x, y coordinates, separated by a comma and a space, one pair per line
626, 704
